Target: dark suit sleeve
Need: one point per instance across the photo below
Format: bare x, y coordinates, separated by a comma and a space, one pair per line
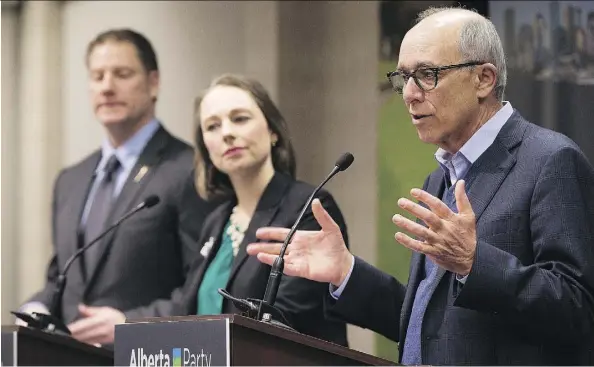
301, 300
45, 295
192, 211
553, 298
371, 299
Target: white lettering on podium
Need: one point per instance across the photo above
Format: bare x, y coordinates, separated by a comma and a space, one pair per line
201, 359
139, 359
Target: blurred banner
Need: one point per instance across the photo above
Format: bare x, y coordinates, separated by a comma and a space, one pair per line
550, 59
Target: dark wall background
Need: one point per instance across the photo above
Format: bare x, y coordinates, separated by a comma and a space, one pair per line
549, 49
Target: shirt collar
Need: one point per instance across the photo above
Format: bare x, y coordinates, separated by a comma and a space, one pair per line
128, 152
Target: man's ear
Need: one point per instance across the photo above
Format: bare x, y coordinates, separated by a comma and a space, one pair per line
486, 79
154, 82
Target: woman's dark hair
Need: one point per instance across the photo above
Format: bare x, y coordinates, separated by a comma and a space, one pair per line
212, 183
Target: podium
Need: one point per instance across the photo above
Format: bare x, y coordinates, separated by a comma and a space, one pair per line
23, 346
226, 340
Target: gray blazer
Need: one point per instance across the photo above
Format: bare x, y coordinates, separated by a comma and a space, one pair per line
148, 256
529, 298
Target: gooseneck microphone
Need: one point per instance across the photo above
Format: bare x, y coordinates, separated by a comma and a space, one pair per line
264, 310
51, 322
279, 264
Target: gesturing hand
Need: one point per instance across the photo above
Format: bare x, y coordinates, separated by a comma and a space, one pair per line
449, 239
316, 255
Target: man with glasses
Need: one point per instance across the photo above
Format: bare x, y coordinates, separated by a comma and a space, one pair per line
503, 249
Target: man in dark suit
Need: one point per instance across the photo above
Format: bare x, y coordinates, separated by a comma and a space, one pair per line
147, 257
501, 272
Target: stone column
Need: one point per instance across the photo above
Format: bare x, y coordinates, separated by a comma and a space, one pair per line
10, 164
39, 138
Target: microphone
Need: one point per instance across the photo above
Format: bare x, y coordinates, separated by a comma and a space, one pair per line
51, 322
264, 310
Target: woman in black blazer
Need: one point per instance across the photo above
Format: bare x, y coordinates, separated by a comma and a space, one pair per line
244, 157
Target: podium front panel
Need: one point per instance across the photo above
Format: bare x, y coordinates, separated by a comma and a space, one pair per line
173, 343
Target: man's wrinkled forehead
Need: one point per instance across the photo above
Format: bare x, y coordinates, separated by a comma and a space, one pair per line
424, 49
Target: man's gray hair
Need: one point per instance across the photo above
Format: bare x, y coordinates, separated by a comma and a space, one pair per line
479, 41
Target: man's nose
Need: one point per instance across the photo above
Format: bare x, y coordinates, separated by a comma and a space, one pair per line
107, 84
411, 92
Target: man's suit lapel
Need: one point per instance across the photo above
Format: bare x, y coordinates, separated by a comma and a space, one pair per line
265, 212
142, 172
79, 194
488, 172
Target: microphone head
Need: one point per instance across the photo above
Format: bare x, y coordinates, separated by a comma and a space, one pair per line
151, 201
344, 161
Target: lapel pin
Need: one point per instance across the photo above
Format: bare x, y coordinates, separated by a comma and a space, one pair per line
141, 173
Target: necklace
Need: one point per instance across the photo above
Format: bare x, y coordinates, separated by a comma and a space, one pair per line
235, 231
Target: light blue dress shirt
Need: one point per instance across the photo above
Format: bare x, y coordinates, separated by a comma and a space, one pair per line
127, 154
456, 165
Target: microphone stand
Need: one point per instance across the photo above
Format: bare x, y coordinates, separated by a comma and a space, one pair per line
252, 308
51, 322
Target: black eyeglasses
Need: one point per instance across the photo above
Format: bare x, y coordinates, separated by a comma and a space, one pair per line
425, 77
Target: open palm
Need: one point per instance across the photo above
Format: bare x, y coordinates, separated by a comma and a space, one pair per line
316, 255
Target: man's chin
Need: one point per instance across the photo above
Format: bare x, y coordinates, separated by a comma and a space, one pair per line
112, 121
426, 137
